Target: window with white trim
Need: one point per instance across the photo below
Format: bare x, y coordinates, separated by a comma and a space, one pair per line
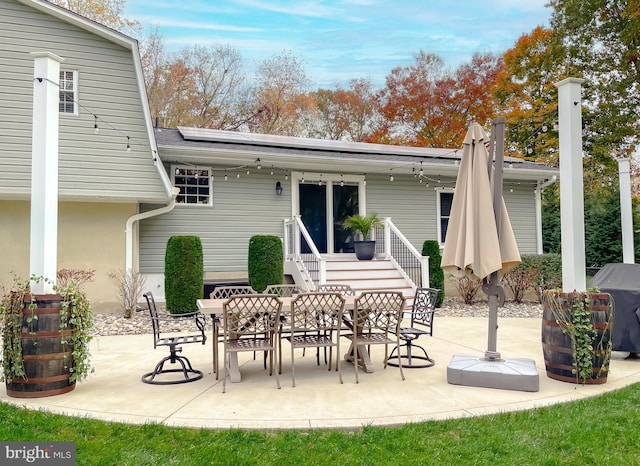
445, 200
194, 184
69, 91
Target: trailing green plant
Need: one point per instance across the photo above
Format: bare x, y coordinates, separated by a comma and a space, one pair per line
574, 319
362, 224
75, 313
265, 261
431, 249
129, 287
183, 274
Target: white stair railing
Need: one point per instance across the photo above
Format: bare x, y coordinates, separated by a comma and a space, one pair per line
312, 266
396, 247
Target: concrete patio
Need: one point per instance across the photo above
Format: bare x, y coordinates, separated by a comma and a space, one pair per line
115, 393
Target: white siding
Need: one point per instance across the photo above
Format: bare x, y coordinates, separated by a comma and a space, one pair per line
95, 165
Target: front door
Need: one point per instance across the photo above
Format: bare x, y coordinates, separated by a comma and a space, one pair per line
323, 206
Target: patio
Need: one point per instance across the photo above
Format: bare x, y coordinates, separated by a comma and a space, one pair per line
115, 392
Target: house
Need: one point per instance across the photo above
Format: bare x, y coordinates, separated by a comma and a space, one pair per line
235, 185
125, 187
101, 183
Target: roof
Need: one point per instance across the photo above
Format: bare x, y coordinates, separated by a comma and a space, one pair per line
200, 146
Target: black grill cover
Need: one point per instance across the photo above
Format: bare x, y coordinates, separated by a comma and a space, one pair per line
622, 281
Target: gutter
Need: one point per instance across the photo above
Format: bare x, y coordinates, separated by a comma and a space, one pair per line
538, 201
135, 218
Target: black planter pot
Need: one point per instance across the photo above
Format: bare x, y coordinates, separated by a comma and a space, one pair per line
365, 250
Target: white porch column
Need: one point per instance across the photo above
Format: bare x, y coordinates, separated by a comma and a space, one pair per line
571, 185
44, 170
626, 211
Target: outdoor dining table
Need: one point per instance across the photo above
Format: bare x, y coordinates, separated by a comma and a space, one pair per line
215, 308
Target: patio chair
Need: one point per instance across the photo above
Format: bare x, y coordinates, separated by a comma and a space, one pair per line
315, 322
173, 342
251, 323
283, 290
422, 314
223, 292
376, 321
344, 290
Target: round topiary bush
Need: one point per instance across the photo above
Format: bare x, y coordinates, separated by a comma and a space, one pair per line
183, 274
265, 262
431, 248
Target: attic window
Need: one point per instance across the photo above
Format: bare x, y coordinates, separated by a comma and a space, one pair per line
68, 91
194, 185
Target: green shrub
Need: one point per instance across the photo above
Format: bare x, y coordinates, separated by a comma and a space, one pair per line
549, 276
265, 262
183, 274
431, 248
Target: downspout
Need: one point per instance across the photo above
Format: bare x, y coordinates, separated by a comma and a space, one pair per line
134, 218
540, 187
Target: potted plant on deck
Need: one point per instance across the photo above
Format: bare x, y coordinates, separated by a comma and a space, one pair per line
365, 249
46, 336
576, 335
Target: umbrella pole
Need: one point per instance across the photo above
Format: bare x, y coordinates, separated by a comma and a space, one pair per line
492, 288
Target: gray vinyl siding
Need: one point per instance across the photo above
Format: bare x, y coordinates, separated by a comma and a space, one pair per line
91, 165
409, 203
241, 208
413, 209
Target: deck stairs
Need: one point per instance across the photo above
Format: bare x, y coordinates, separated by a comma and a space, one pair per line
373, 275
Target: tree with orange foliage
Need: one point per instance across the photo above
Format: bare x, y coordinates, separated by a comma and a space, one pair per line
528, 97
426, 105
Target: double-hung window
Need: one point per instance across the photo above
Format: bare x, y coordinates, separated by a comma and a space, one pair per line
445, 200
69, 91
194, 184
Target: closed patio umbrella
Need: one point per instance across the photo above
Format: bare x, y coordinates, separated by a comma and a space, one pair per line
480, 242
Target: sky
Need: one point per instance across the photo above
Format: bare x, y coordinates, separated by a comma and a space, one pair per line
340, 40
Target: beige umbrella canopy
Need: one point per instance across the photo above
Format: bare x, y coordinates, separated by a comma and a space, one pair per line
474, 245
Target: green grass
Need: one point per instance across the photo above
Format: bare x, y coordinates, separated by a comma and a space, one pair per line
600, 430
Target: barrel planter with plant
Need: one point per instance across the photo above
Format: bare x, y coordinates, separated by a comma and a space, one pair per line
576, 336
183, 274
45, 339
265, 262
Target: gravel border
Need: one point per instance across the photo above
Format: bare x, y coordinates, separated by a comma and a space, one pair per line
139, 323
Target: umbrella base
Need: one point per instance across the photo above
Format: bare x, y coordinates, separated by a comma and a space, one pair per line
508, 374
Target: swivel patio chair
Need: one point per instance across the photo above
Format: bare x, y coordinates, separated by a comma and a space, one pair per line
224, 292
315, 322
422, 313
189, 374
251, 323
376, 321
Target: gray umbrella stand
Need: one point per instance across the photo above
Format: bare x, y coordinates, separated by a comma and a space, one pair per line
491, 370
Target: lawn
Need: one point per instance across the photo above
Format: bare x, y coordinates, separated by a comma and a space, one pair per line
599, 430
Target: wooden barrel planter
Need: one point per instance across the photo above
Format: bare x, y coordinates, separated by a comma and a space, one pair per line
557, 345
47, 360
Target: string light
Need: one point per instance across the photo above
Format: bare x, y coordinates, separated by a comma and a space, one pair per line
258, 164
364, 181
341, 180
128, 144
225, 175
95, 124
391, 175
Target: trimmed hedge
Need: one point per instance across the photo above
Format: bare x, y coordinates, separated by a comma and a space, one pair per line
431, 248
265, 262
183, 274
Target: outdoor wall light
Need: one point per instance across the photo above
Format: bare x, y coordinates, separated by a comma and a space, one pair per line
278, 188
